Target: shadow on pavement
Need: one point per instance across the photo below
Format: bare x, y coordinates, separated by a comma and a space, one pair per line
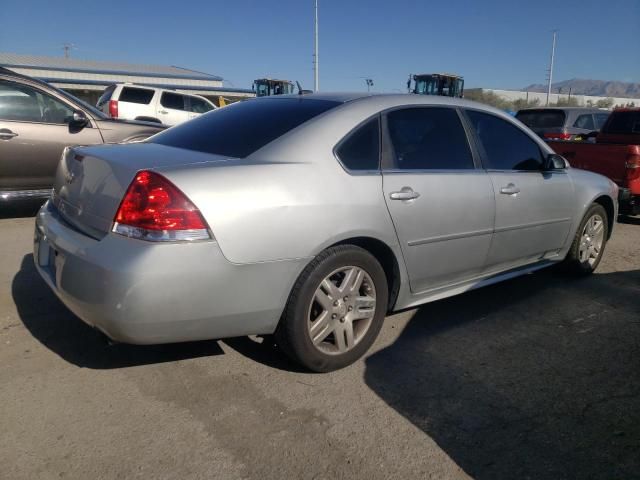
629, 220
537, 377
20, 209
61, 331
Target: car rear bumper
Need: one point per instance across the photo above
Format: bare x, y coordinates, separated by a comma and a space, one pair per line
145, 293
15, 195
629, 203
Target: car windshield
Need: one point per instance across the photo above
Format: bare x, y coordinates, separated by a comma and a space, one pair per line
94, 111
240, 129
541, 118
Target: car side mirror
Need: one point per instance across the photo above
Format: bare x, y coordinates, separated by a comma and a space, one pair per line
79, 119
556, 162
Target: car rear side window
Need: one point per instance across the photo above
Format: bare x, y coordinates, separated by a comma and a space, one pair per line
622, 122
240, 129
585, 121
174, 101
505, 146
428, 139
601, 119
542, 118
136, 95
360, 150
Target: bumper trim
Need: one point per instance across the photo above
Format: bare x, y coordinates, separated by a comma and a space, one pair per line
11, 195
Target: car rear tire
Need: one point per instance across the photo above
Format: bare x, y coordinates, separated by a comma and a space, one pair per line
589, 243
335, 309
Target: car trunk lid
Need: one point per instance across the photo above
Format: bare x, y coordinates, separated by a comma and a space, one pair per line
90, 182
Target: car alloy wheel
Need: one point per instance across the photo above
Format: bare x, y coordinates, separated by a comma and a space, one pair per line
341, 310
591, 240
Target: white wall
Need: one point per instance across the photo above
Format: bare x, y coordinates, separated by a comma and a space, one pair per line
553, 98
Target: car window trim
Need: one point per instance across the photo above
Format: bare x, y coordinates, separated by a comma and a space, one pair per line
483, 153
386, 150
351, 133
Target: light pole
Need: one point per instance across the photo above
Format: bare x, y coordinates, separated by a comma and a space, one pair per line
553, 54
316, 84
369, 84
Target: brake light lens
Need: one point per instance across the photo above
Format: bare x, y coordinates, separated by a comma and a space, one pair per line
154, 209
557, 136
113, 108
633, 161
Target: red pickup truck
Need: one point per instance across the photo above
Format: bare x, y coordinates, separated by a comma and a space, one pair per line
615, 154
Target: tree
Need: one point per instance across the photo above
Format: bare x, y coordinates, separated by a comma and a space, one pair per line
567, 102
605, 103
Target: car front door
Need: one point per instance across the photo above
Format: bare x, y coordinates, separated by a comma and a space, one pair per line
441, 203
197, 106
34, 129
173, 108
533, 205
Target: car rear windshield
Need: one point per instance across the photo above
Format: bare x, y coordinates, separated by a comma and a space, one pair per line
541, 118
623, 122
242, 128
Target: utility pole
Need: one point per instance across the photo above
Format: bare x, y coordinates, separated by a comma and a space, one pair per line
316, 84
553, 54
67, 48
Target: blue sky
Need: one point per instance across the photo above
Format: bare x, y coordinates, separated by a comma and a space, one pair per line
492, 43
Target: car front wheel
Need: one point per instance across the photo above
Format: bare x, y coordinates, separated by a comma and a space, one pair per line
335, 310
588, 244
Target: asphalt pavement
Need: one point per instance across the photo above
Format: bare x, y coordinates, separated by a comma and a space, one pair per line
534, 378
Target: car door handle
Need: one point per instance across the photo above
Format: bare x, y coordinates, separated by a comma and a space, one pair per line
510, 189
6, 134
405, 193
163, 111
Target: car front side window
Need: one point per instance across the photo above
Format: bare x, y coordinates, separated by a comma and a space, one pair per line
25, 104
505, 146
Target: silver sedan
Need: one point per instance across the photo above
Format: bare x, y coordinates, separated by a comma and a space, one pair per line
311, 217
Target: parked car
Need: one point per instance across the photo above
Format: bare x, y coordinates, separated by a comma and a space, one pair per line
135, 102
311, 217
563, 123
37, 121
615, 154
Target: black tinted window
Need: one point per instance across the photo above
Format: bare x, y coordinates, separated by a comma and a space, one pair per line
541, 118
428, 138
244, 127
624, 122
136, 95
361, 149
584, 121
506, 147
173, 101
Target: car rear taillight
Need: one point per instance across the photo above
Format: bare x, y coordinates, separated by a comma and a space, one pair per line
557, 136
113, 108
154, 209
633, 161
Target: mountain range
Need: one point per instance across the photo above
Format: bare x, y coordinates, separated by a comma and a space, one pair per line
599, 88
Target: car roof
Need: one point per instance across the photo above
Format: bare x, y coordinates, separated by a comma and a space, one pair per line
384, 99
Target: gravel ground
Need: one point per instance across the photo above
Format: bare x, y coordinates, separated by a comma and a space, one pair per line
538, 377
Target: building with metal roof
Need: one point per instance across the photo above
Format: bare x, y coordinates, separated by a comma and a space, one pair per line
87, 78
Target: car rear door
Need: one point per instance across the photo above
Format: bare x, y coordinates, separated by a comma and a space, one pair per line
441, 203
534, 206
34, 129
173, 108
